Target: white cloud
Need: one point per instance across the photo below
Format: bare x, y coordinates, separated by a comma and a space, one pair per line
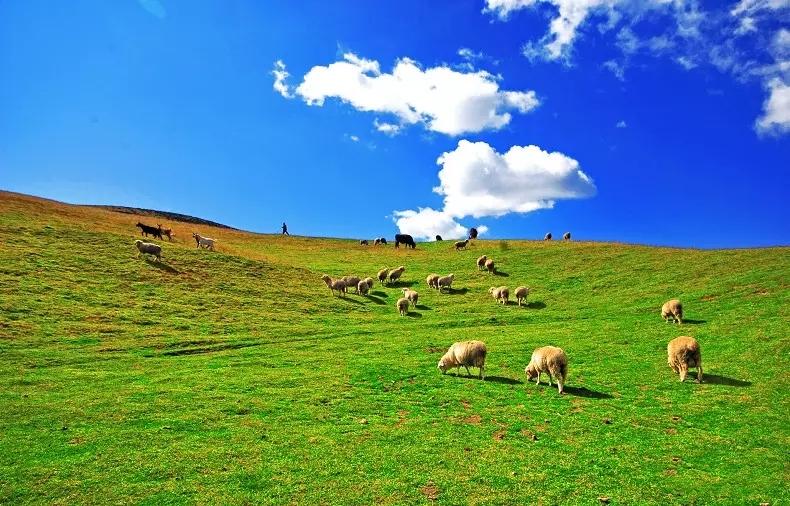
776, 109
354, 138
621, 124
387, 128
280, 75
477, 181
427, 223
442, 99
618, 69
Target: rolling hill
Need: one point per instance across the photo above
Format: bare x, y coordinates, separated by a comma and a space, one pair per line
235, 376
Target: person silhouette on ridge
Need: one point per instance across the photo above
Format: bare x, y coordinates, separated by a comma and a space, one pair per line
285, 229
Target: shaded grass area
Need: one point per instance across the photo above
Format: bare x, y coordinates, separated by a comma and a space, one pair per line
234, 376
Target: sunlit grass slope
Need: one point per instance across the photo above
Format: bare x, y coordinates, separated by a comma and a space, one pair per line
235, 377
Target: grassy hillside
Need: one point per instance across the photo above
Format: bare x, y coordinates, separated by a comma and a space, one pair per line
235, 377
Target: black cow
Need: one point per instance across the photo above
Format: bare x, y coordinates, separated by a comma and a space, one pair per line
438, 238
473, 233
404, 239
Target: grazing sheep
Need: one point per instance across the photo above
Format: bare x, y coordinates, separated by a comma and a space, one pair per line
549, 359
148, 229
501, 293
672, 310
461, 244
396, 273
147, 247
206, 242
363, 242
682, 353
567, 236
445, 282
402, 305
473, 233
334, 284
547, 237
481, 262
363, 287
521, 294
383, 273
438, 237
465, 353
369, 281
490, 266
352, 282
411, 295
433, 281
165, 231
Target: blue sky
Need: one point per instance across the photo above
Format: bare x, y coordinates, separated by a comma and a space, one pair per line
656, 122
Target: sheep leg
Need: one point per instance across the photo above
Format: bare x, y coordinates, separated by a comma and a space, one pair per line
469, 374
699, 373
550, 378
683, 372
538, 382
482, 373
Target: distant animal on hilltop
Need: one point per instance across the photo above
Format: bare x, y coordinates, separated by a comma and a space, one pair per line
404, 239
165, 231
567, 236
147, 229
363, 242
438, 237
473, 233
547, 237
461, 244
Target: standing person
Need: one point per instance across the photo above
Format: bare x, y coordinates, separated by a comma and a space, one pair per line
285, 229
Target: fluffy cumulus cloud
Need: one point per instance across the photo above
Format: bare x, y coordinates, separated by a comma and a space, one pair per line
475, 180
738, 37
442, 99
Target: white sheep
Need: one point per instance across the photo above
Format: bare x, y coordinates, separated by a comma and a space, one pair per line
445, 282
396, 273
501, 294
149, 248
672, 310
682, 353
551, 360
490, 266
461, 244
402, 305
412, 295
521, 294
465, 353
334, 284
382, 275
204, 242
432, 280
481, 262
352, 282
363, 287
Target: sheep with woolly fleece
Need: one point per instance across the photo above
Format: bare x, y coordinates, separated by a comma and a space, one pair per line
369, 281
481, 262
672, 310
521, 294
148, 248
432, 280
547, 237
683, 353
412, 295
551, 360
204, 242
445, 282
363, 288
461, 244
382, 275
490, 266
501, 293
395, 274
334, 284
467, 354
567, 236
351, 282
402, 305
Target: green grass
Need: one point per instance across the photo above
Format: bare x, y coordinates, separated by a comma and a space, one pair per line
235, 377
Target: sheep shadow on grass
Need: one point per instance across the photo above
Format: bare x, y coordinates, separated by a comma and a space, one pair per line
402, 284
455, 291
376, 300
423, 307
161, 266
694, 322
348, 298
715, 379
501, 273
413, 314
584, 392
535, 305
377, 293
504, 380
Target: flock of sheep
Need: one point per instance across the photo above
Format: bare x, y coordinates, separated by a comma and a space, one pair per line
683, 353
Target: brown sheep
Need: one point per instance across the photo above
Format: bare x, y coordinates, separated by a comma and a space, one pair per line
334, 284
490, 266
481, 262
382, 275
402, 305
683, 353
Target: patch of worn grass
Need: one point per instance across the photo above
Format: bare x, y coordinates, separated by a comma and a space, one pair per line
234, 376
